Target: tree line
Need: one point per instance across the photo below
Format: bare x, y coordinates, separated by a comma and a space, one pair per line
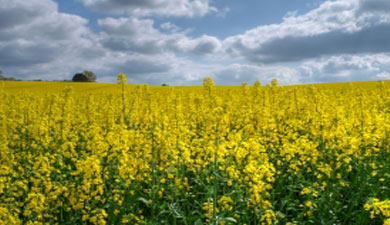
86, 76
2, 77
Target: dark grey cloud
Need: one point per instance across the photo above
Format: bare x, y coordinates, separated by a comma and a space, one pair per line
206, 45
151, 69
291, 48
21, 55
374, 6
10, 18
141, 66
115, 4
14, 13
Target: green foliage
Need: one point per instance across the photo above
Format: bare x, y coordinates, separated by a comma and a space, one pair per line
7, 78
79, 77
86, 76
91, 75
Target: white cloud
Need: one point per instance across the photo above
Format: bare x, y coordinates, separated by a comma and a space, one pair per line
129, 34
326, 69
339, 40
183, 8
236, 73
345, 68
53, 45
223, 73
36, 20
383, 75
335, 27
43, 39
168, 26
201, 45
223, 12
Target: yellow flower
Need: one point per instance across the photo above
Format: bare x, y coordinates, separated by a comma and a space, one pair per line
121, 78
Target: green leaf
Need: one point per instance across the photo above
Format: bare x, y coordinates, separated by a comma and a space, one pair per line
230, 219
198, 222
141, 199
280, 215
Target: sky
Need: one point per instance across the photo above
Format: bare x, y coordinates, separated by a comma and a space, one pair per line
179, 42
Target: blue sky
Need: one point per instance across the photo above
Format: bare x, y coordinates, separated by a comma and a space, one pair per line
179, 42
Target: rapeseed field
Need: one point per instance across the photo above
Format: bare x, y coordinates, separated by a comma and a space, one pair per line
135, 154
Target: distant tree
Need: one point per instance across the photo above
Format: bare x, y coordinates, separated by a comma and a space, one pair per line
86, 76
1, 75
91, 75
7, 78
164, 84
80, 77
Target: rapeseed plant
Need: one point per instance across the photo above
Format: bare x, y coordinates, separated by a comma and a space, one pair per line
100, 154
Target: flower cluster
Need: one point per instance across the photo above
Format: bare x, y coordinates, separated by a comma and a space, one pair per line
137, 154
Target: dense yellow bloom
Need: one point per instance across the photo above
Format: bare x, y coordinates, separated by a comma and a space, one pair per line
137, 154
225, 203
376, 207
268, 218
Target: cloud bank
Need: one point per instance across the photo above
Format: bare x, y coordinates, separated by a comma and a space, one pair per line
334, 28
338, 40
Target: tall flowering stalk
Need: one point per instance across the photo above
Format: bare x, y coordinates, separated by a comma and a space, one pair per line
208, 83
257, 85
274, 82
122, 79
295, 155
